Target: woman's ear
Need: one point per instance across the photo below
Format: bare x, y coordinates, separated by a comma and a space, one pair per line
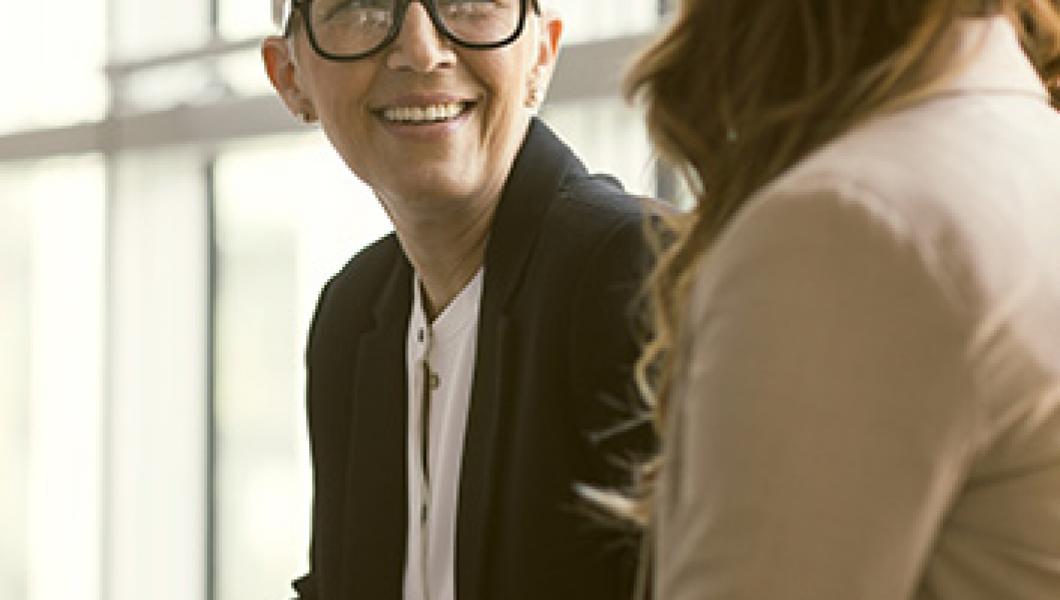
282, 69
549, 35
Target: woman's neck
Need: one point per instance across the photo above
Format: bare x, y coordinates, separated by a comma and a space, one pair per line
446, 250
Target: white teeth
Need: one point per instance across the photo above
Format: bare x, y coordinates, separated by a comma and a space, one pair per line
424, 114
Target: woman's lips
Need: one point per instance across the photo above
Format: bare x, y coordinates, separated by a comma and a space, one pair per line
424, 114
424, 108
426, 121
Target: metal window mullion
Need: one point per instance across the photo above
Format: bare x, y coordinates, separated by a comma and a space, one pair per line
231, 119
212, 496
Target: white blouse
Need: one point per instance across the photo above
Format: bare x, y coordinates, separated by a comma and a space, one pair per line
440, 366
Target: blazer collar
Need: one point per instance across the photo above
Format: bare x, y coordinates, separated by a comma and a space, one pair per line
540, 166
533, 185
375, 513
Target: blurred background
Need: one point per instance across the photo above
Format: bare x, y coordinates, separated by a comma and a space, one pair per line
165, 227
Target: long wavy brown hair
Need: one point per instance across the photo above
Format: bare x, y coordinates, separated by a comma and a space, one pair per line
737, 91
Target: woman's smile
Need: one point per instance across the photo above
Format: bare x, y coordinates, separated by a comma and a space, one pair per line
425, 116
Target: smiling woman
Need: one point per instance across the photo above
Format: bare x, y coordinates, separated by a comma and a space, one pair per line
507, 258
368, 107
219, 218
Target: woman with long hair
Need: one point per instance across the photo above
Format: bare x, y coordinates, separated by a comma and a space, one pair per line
856, 356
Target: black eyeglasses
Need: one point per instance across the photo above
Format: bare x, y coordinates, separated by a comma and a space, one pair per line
354, 29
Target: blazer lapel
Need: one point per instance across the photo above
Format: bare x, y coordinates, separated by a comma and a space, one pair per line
376, 485
533, 185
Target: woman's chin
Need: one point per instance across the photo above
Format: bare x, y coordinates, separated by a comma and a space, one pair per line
438, 189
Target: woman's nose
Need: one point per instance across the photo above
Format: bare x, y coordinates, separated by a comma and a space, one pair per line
419, 46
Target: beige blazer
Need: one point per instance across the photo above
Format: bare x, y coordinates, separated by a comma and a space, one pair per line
872, 406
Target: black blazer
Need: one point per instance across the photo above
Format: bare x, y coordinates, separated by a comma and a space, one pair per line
551, 400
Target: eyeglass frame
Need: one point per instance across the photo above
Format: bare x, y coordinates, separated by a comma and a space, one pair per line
400, 9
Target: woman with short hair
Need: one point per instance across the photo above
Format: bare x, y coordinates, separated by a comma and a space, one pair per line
467, 371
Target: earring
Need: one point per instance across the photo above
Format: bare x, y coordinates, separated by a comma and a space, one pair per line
533, 98
534, 95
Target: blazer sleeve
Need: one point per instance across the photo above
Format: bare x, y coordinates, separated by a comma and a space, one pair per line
305, 587
825, 420
604, 347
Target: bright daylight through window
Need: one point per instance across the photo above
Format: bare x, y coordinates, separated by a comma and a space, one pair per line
165, 228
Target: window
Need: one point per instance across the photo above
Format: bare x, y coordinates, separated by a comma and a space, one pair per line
608, 137
63, 83
157, 497
51, 377
279, 238
588, 20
